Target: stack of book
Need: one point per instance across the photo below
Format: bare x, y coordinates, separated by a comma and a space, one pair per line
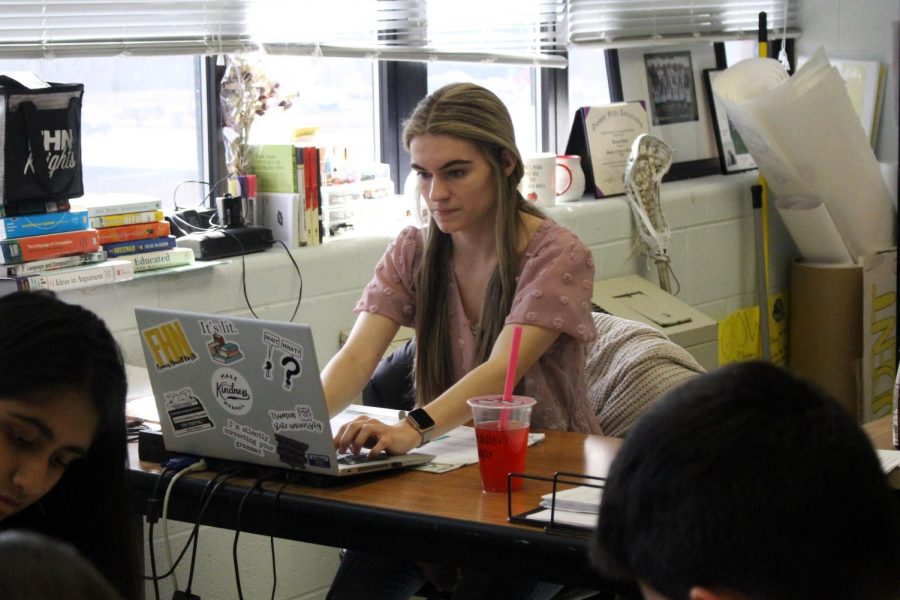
132, 227
53, 250
288, 183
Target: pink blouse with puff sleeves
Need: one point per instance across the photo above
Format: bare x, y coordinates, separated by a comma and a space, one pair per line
553, 291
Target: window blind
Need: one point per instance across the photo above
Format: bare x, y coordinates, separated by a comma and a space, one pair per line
497, 31
60, 28
503, 31
622, 23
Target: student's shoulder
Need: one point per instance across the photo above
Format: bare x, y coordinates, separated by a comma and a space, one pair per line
551, 234
410, 234
408, 245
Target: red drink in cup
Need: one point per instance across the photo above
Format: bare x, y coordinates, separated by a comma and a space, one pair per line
500, 452
501, 428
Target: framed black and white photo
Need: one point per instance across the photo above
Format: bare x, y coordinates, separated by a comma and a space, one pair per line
666, 79
733, 154
670, 83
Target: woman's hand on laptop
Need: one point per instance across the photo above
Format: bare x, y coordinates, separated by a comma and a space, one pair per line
366, 432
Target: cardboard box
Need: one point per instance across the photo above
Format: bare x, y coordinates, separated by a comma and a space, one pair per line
879, 361
843, 331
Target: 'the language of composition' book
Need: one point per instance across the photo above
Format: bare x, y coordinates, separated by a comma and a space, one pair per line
51, 245
161, 259
117, 249
118, 220
40, 224
138, 231
101, 205
51, 264
71, 278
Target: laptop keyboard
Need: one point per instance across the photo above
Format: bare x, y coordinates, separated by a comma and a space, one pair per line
358, 459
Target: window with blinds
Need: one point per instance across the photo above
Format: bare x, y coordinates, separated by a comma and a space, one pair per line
509, 31
623, 23
61, 28
323, 52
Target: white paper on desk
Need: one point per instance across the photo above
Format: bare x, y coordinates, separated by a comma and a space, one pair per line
890, 459
389, 416
813, 230
452, 450
458, 448
807, 139
565, 517
582, 499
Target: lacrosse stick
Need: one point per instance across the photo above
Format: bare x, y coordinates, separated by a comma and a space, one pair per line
649, 160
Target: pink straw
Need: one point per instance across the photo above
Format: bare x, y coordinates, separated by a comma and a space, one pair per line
511, 373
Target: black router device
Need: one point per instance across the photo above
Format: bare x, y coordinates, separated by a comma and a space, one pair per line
231, 241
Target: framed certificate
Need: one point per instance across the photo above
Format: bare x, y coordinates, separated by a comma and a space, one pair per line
602, 136
733, 153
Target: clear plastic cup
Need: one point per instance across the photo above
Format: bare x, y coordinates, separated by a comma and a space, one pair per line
501, 428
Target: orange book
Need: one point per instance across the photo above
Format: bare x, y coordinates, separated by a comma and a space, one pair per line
51, 245
138, 231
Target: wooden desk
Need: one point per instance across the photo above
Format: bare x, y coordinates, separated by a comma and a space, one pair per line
880, 431
433, 517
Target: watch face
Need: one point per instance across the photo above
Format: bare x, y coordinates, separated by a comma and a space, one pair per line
422, 419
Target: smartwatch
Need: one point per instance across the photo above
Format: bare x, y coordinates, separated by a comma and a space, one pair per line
422, 422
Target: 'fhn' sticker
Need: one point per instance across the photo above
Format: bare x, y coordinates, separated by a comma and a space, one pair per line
186, 412
169, 345
232, 391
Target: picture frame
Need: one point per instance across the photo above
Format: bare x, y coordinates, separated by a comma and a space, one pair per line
671, 87
733, 154
686, 124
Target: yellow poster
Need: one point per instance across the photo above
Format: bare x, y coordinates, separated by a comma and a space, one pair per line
739, 337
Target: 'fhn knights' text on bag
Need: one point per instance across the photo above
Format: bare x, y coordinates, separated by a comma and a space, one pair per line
40, 144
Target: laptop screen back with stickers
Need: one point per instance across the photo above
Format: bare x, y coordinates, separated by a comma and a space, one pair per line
244, 390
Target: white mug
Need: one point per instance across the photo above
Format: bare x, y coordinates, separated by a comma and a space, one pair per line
539, 182
569, 178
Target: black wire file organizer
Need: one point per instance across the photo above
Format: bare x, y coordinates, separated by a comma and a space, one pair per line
552, 524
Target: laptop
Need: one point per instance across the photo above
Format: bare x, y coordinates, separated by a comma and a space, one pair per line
247, 391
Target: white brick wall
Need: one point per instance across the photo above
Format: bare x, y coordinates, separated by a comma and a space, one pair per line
712, 253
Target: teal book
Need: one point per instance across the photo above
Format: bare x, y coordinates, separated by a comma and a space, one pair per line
39, 224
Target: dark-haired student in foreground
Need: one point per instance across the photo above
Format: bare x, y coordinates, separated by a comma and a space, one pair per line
749, 483
63, 448
37, 567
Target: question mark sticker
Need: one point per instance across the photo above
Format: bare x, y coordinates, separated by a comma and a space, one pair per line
289, 373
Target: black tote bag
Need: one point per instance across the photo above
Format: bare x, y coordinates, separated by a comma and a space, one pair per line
41, 146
